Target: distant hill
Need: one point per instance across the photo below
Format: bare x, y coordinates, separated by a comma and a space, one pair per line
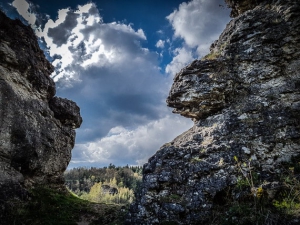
105, 185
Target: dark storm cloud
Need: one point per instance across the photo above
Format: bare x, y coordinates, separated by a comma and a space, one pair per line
62, 32
115, 35
93, 10
120, 95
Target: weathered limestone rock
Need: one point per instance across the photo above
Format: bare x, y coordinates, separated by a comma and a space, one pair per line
36, 129
240, 6
245, 100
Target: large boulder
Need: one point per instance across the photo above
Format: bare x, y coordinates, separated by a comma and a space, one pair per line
244, 98
36, 129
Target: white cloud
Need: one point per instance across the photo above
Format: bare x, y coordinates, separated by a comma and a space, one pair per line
182, 57
134, 146
198, 23
160, 44
23, 9
78, 39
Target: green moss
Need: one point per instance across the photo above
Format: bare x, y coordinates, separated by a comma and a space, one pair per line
223, 46
52, 207
288, 205
254, 205
195, 160
287, 200
211, 56
175, 197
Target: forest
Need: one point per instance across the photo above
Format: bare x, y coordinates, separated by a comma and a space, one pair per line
110, 184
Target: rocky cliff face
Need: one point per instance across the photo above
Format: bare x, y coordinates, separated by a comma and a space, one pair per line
36, 129
245, 100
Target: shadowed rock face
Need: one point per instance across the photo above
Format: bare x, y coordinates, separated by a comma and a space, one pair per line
36, 129
240, 6
202, 89
245, 100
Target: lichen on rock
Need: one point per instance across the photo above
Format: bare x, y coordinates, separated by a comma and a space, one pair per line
36, 129
245, 102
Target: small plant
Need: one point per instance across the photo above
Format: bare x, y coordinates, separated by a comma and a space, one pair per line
196, 160
246, 174
248, 202
259, 192
288, 200
252, 212
242, 183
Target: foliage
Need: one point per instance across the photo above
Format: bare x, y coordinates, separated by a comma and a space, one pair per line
96, 194
88, 184
53, 207
254, 205
80, 180
288, 200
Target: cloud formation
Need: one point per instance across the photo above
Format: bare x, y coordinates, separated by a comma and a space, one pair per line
160, 44
23, 8
79, 39
131, 146
182, 57
117, 81
198, 23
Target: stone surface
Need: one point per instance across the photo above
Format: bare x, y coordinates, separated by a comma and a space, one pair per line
36, 129
240, 6
245, 100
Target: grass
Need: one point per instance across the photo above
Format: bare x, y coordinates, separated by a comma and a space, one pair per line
53, 207
254, 204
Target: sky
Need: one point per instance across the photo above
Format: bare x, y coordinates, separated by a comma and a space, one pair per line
116, 59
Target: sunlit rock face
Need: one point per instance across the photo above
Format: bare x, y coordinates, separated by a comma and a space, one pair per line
245, 100
36, 129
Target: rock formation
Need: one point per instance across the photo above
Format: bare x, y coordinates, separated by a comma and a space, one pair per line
36, 129
245, 100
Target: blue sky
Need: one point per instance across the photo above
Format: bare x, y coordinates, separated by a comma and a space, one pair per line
116, 59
